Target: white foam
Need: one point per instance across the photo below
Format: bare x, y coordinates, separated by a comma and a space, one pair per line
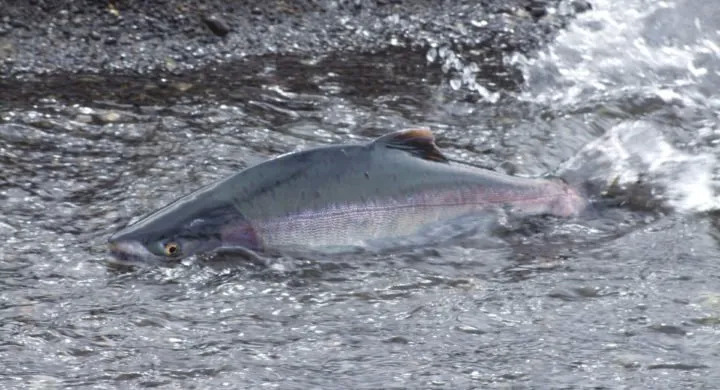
645, 47
463, 73
636, 149
640, 51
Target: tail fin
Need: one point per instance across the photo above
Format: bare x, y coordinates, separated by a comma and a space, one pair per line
571, 201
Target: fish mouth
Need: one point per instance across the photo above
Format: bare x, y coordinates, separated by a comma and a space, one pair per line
131, 252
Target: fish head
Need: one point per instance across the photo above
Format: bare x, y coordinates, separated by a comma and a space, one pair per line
140, 245
175, 233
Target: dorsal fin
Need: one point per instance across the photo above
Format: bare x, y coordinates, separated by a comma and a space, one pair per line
419, 142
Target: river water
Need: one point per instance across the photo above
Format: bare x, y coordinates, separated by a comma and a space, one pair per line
623, 103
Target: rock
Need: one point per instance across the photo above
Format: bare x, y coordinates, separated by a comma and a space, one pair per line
108, 117
7, 49
581, 6
537, 9
217, 25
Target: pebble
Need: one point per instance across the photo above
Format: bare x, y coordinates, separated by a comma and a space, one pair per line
217, 25
581, 6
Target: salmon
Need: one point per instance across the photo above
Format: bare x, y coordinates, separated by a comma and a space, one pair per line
338, 196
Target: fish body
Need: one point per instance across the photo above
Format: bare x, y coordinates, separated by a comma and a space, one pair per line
337, 196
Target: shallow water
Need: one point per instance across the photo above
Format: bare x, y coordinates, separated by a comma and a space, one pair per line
623, 103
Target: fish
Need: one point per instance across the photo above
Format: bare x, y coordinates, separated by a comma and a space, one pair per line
337, 196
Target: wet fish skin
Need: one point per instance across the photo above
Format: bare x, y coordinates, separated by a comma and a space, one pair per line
337, 196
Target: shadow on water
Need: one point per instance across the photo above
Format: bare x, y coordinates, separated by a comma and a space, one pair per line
356, 76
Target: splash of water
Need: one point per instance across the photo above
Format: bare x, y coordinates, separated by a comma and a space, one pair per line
663, 48
637, 151
463, 73
660, 56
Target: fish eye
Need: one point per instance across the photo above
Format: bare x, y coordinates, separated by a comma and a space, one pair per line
172, 249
